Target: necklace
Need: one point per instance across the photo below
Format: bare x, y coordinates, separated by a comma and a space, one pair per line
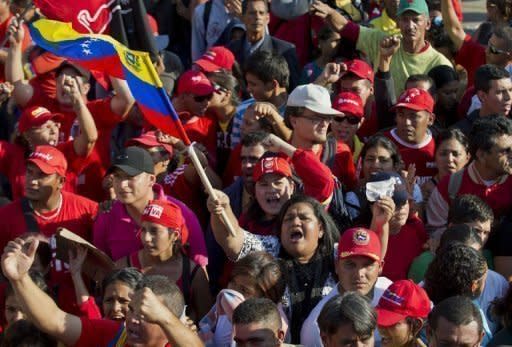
57, 211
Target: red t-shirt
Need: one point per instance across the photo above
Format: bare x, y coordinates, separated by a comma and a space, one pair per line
76, 214
101, 333
470, 56
203, 130
498, 196
403, 248
422, 155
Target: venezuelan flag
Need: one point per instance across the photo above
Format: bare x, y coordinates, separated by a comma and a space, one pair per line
102, 53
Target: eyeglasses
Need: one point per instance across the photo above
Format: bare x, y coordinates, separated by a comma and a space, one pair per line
350, 119
201, 98
219, 89
495, 50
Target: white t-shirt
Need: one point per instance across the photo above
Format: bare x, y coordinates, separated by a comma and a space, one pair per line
310, 332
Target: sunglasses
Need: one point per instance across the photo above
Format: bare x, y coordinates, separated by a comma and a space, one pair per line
495, 50
201, 98
350, 119
219, 89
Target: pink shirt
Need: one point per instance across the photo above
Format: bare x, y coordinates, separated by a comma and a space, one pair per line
115, 232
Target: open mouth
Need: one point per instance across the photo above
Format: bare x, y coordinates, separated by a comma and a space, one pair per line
132, 334
296, 236
273, 200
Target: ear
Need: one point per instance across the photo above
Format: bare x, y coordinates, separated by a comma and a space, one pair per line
86, 87
293, 121
62, 180
151, 180
324, 338
226, 97
482, 96
431, 118
274, 85
280, 335
320, 231
429, 23
475, 285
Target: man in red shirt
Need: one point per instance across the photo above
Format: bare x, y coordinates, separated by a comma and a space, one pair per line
45, 208
309, 113
414, 114
193, 94
152, 320
488, 177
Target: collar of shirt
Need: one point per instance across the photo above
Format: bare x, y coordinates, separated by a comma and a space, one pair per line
251, 48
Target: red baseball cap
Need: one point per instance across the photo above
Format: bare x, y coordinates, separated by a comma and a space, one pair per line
415, 99
216, 58
168, 214
348, 102
49, 160
149, 139
402, 299
360, 241
194, 82
267, 165
361, 69
36, 116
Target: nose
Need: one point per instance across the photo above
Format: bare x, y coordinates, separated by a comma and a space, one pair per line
117, 307
145, 237
451, 157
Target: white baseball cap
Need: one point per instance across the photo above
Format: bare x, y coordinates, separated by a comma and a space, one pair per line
313, 97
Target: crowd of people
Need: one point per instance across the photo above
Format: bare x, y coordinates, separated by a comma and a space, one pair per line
359, 155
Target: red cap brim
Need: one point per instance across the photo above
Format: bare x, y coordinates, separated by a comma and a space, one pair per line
148, 142
386, 318
43, 166
207, 66
409, 106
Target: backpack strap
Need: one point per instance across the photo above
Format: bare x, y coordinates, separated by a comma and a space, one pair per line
185, 277
28, 215
206, 17
454, 184
329, 151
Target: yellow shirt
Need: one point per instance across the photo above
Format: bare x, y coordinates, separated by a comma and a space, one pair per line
385, 24
358, 146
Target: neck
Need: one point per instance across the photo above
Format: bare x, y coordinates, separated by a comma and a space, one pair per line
304, 259
414, 47
279, 98
322, 60
304, 144
161, 258
254, 37
49, 205
136, 208
484, 172
225, 113
485, 111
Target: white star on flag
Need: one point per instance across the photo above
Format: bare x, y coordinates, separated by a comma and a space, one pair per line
84, 45
87, 51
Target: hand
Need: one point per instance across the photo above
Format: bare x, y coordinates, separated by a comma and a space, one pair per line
18, 258
148, 307
16, 32
5, 91
265, 109
77, 257
201, 154
331, 17
217, 202
382, 210
72, 89
234, 7
331, 73
189, 323
389, 46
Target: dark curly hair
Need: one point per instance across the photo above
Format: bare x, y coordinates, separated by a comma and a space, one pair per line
453, 271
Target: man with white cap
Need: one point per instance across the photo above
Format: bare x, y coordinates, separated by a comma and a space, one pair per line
308, 113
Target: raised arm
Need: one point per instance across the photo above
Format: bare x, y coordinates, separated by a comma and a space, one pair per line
146, 304
385, 96
231, 244
382, 211
269, 111
123, 101
76, 260
331, 17
452, 25
17, 258
84, 142
23, 91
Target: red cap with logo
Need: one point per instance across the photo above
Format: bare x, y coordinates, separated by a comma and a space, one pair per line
36, 116
402, 299
360, 241
149, 139
216, 58
415, 99
348, 102
194, 82
167, 214
361, 69
49, 160
267, 165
